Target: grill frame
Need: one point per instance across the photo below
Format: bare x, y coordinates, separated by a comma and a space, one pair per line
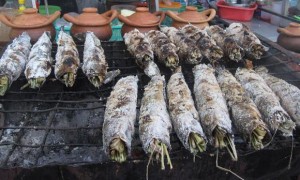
281, 63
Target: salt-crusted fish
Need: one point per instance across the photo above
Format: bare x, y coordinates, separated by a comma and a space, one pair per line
288, 94
164, 49
119, 119
184, 116
13, 61
247, 39
94, 63
266, 101
188, 52
139, 46
67, 59
205, 43
232, 50
246, 117
154, 121
211, 105
40, 62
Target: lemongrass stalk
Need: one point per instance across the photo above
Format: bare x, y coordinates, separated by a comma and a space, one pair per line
223, 139
96, 81
159, 150
118, 150
4, 85
196, 143
257, 137
69, 79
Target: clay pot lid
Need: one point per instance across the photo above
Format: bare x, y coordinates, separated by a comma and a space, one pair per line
30, 17
142, 16
191, 15
293, 29
91, 16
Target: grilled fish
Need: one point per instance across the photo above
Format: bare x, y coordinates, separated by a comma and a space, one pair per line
139, 46
288, 94
119, 119
13, 61
211, 105
184, 115
94, 63
188, 52
246, 117
154, 121
266, 101
67, 59
208, 47
232, 50
164, 49
247, 39
40, 62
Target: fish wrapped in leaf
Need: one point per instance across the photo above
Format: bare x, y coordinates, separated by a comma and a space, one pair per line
212, 108
154, 121
246, 117
184, 116
208, 47
188, 52
164, 49
40, 62
140, 48
266, 101
13, 61
67, 59
94, 63
288, 94
119, 119
247, 39
232, 50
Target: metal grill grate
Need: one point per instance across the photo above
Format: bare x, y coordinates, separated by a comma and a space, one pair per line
62, 126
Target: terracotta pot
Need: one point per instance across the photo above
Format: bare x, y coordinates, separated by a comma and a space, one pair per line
90, 20
32, 22
192, 16
289, 37
142, 20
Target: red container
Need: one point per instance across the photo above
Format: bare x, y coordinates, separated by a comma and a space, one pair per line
235, 13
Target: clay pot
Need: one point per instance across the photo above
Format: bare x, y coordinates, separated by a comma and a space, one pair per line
192, 16
142, 20
90, 20
32, 22
289, 37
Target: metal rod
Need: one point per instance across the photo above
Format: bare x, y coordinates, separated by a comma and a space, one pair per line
46, 7
279, 15
54, 101
50, 128
52, 109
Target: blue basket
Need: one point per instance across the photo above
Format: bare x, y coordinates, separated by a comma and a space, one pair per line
67, 29
116, 26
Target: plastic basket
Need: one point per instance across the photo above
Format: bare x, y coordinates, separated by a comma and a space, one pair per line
235, 13
116, 26
67, 29
52, 9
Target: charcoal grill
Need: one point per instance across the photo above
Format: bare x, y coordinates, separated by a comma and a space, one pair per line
62, 126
